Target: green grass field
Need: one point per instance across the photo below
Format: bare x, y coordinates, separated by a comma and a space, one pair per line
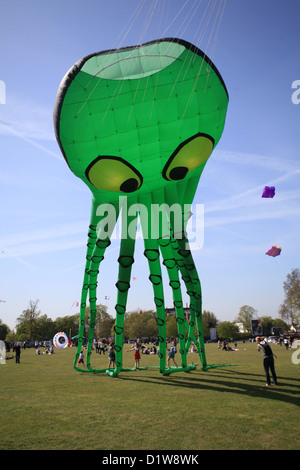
46, 404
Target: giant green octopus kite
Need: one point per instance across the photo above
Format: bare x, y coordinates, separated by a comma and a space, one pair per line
137, 125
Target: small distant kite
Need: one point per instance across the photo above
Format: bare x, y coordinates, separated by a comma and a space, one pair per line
75, 304
269, 191
3, 301
60, 340
134, 278
274, 251
107, 297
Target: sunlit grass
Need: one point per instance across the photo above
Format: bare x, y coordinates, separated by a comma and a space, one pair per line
54, 407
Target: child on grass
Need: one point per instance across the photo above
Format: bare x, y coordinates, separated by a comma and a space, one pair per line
171, 355
137, 356
111, 355
81, 359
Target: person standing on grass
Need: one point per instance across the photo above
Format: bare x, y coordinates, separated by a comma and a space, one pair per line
111, 355
268, 359
102, 347
137, 356
171, 355
18, 352
81, 359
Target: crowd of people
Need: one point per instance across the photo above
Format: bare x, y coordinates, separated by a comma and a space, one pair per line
107, 347
49, 350
225, 346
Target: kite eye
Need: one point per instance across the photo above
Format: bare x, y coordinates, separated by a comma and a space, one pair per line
113, 174
190, 154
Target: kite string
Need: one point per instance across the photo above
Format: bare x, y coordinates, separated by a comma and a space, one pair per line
187, 15
185, 66
120, 85
217, 31
211, 54
166, 29
190, 15
161, 15
135, 14
144, 30
148, 18
199, 72
188, 18
132, 19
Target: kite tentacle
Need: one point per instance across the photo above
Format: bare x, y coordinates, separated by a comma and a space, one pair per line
151, 252
98, 255
185, 193
125, 261
92, 236
195, 293
95, 254
170, 263
178, 220
102, 242
190, 276
190, 325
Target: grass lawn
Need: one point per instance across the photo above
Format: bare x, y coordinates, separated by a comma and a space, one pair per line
46, 404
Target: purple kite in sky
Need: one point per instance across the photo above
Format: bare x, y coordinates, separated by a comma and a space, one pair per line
269, 191
274, 251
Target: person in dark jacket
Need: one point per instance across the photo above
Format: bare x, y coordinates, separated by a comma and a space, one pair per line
268, 359
18, 352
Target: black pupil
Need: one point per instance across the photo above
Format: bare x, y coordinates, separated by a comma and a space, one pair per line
129, 185
178, 173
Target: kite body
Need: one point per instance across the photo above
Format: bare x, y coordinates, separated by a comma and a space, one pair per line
268, 192
138, 125
61, 340
274, 251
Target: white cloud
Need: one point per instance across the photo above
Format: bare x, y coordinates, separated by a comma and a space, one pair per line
54, 238
28, 121
12, 129
255, 160
26, 118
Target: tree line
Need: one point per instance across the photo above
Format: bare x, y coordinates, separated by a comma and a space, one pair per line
32, 325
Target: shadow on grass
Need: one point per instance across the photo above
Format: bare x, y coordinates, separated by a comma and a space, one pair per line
229, 381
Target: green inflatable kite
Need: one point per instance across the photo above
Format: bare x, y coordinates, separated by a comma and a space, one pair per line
138, 125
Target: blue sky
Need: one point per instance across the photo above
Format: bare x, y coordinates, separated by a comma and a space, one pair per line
44, 210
